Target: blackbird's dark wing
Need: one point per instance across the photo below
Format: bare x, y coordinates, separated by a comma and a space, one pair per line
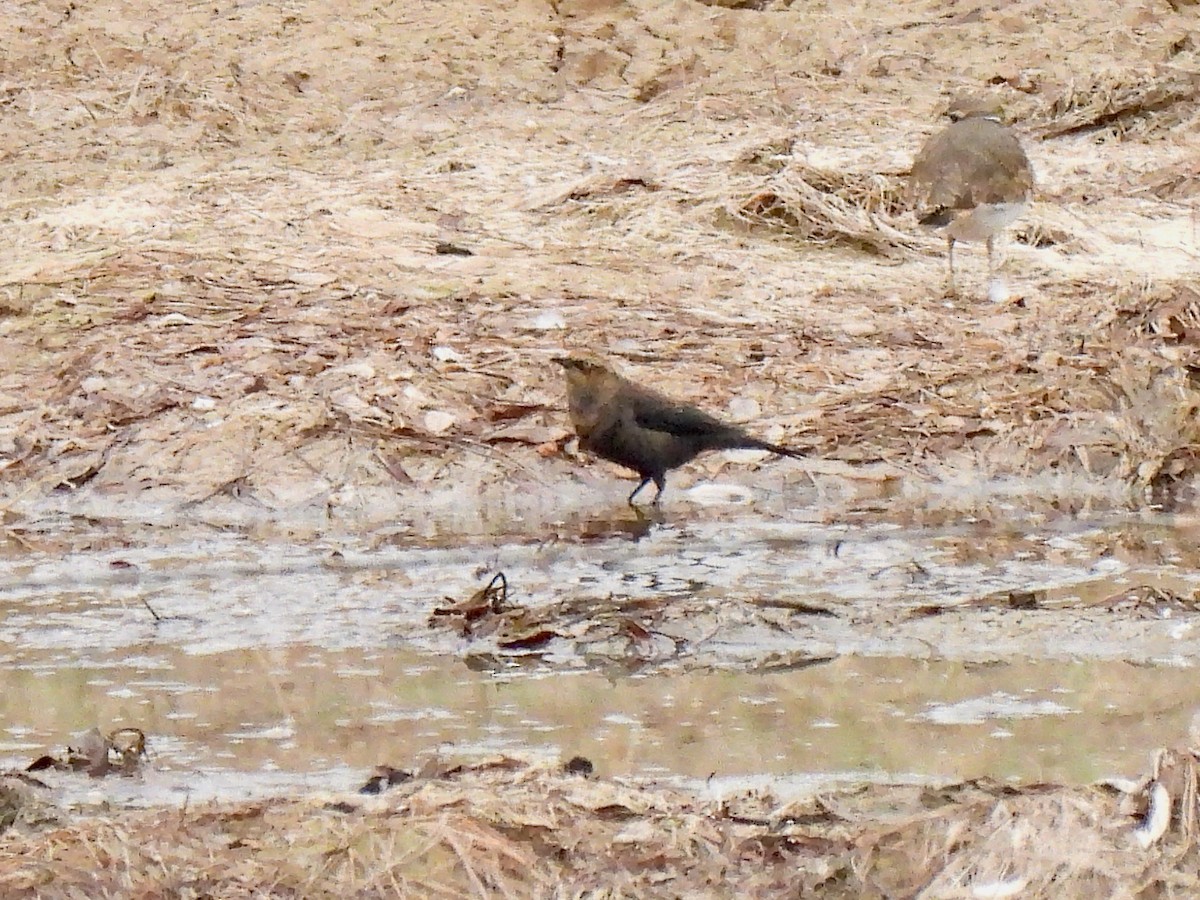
660, 414
697, 430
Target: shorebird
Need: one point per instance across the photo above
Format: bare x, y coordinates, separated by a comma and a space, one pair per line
972, 179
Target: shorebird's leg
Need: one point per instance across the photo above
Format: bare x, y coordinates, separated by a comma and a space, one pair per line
950, 257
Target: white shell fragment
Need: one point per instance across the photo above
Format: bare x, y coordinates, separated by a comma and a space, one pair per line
1158, 817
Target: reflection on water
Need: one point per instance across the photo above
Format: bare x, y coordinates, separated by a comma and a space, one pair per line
257, 722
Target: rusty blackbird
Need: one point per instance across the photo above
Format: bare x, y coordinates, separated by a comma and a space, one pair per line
640, 428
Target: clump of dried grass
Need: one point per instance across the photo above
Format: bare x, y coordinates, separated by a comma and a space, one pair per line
1151, 428
1136, 414
1139, 99
1108, 840
830, 206
1048, 225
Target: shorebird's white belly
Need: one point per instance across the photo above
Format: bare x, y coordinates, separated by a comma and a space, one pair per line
984, 220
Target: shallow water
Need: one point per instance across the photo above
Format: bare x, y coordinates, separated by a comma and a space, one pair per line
966, 649
248, 723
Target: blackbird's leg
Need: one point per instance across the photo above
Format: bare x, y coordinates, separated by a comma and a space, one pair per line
660, 482
636, 490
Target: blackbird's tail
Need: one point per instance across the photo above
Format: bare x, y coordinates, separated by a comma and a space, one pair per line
746, 442
782, 451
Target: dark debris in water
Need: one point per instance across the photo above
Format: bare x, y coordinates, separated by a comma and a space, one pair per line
626, 627
491, 599
793, 605
793, 662
1145, 601
120, 752
1152, 602
579, 765
383, 778
438, 769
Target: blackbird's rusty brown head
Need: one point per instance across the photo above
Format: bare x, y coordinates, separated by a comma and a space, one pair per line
592, 386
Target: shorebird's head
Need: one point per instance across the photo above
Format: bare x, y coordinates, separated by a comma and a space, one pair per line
975, 106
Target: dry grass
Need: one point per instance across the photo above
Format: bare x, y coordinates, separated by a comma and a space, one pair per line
1151, 100
505, 829
820, 206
